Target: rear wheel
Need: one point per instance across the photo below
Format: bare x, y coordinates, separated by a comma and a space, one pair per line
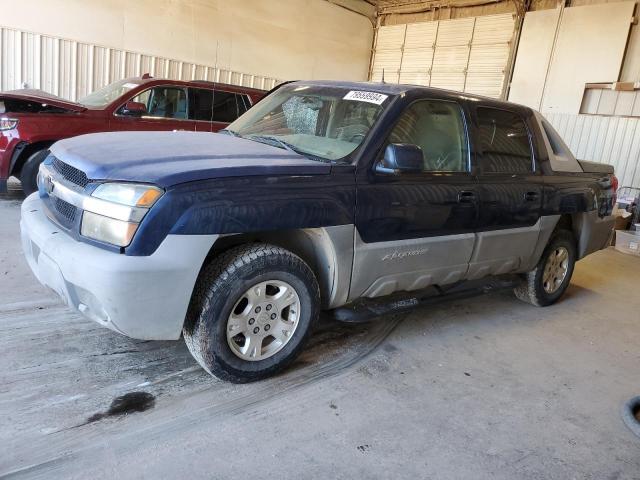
29, 173
251, 312
546, 283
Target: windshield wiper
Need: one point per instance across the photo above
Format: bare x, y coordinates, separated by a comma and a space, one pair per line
269, 139
230, 132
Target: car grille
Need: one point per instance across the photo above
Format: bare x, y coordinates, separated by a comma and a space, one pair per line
65, 209
69, 173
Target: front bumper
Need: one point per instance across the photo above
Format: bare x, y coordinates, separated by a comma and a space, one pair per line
140, 297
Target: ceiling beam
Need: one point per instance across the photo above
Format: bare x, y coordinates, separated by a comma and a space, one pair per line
360, 7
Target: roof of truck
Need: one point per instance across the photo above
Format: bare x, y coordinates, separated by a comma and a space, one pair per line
399, 88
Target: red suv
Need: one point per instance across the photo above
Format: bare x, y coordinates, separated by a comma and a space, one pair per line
32, 120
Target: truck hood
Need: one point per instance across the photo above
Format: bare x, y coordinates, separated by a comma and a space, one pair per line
43, 97
170, 158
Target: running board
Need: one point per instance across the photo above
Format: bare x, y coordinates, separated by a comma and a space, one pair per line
366, 310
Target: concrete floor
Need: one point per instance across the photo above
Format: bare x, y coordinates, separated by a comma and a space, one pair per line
488, 387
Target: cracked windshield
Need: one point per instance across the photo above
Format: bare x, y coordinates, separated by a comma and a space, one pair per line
322, 123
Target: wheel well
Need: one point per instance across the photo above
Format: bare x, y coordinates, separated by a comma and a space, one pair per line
566, 222
25, 152
297, 241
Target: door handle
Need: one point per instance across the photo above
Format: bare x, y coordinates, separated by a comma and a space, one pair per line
531, 196
465, 196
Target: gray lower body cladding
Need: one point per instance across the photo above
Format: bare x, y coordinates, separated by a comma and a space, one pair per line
385, 267
141, 297
147, 297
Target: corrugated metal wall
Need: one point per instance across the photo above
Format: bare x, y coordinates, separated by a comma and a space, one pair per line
73, 69
612, 140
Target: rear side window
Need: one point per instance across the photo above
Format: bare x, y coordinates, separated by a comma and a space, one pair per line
209, 105
504, 141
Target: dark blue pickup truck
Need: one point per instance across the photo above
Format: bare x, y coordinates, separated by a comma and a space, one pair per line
321, 195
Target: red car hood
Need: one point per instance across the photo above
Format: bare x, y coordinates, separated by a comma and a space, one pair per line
42, 97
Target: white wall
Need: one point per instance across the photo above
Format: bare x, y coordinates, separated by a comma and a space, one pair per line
286, 39
589, 48
554, 64
533, 56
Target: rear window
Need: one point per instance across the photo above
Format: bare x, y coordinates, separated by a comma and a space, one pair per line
217, 106
504, 141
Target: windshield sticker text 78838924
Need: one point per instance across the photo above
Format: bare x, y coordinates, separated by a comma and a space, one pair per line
360, 96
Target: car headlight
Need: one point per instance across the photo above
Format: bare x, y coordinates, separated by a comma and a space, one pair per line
131, 194
109, 230
8, 123
114, 211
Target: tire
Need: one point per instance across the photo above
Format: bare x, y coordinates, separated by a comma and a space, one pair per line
227, 286
534, 289
29, 173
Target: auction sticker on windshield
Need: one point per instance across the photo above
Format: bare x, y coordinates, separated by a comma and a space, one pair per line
371, 97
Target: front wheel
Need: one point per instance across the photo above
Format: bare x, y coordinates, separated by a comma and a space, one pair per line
251, 312
546, 283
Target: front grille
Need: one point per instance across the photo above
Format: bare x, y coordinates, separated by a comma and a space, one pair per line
69, 173
65, 209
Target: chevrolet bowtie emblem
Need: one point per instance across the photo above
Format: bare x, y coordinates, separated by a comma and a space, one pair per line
48, 184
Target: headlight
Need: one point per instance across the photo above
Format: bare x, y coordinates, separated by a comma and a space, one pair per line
8, 123
133, 195
107, 229
114, 211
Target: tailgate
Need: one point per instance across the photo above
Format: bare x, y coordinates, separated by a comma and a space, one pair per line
593, 167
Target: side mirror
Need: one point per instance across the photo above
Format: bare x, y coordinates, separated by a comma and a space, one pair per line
134, 109
401, 158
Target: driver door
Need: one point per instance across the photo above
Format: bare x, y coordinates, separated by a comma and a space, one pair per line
417, 229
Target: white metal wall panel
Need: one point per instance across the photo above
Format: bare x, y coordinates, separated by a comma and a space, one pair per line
487, 84
455, 32
493, 29
451, 55
451, 59
489, 54
448, 80
388, 53
67, 71
73, 69
468, 54
612, 140
420, 35
417, 58
10, 52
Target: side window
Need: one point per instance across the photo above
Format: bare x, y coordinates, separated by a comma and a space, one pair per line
143, 98
504, 141
200, 101
243, 103
437, 127
164, 102
209, 105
